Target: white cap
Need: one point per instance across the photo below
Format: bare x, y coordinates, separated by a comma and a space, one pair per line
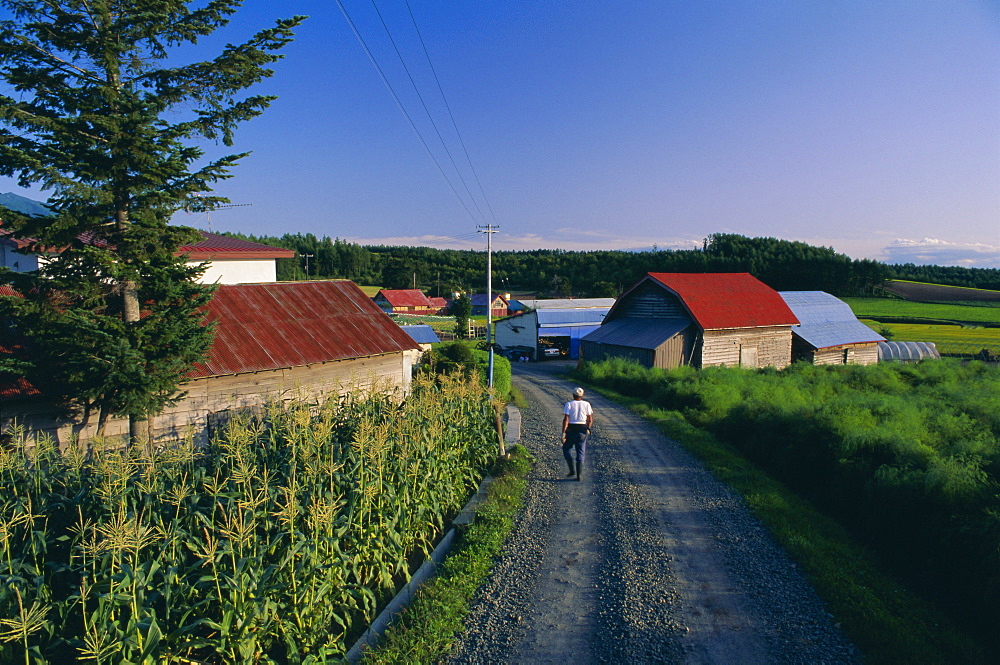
578, 392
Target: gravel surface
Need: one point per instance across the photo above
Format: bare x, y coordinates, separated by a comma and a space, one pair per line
647, 559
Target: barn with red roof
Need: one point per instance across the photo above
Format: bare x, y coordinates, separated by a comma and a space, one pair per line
700, 319
273, 343
404, 301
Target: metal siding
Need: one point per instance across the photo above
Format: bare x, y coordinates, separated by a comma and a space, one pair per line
638, 333
826, 320
563, 317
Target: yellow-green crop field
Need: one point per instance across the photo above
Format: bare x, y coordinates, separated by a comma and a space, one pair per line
877, 308
950, 339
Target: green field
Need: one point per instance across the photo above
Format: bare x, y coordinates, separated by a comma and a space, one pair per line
950, 339
879, 308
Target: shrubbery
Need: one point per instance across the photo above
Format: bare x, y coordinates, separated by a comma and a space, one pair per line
908, 456
464, 356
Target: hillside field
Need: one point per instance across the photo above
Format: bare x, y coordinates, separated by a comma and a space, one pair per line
923, 292
881, 308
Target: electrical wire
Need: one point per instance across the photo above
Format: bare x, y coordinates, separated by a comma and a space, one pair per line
450, 114
423, 103
399, 104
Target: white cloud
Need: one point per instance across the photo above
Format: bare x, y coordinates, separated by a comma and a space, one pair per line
933, 251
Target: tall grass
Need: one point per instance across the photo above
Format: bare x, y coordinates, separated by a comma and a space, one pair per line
273, 544
906, 456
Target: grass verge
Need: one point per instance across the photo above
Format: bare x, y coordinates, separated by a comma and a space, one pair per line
887, 622
426, 629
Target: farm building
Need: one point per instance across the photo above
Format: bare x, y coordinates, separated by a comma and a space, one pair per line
828, 332
404, 301
423, 335
559, 326
230, 260
700, 319
440, 305
498, 308
907, 351
273, 343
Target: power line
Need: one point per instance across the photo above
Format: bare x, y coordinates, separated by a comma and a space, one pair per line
450, 114
399, 104
423, 103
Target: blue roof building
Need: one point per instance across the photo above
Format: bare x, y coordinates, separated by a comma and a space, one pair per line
542, 329
828, 332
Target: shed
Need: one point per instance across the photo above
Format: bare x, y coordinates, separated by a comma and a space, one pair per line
560, 328
907, 351
828, 332
423, 335
729, 319
273, 342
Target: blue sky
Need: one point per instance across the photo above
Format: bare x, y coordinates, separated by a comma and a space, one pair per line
869, 126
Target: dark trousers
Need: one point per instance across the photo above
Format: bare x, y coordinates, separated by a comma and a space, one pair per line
576, 437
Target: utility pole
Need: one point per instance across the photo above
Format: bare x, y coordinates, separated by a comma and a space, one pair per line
489, 230
307, 257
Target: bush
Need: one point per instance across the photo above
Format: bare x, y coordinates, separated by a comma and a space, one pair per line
907, 456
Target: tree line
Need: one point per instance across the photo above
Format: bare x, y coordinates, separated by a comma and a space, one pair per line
782, 264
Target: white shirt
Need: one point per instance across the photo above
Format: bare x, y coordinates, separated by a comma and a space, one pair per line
578, 410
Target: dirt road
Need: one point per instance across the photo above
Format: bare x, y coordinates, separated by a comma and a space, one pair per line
647, 559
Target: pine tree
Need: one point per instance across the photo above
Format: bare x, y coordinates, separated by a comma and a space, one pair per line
104, 118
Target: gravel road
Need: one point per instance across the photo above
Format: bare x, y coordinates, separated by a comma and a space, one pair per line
647, 559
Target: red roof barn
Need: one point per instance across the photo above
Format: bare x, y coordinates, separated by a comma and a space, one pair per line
700, 319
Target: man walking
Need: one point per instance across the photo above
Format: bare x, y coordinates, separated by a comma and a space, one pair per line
577, 420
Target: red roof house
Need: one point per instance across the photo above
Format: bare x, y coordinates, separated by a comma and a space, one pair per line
700, 319
230, 260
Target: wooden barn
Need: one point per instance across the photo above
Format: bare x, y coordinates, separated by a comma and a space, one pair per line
701, 319
273, 343
404, 301
828, 332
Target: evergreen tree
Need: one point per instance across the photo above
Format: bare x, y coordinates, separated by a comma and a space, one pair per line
101, 119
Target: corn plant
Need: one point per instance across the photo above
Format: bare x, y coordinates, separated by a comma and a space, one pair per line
276, 542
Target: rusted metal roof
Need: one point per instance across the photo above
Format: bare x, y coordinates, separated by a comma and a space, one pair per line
215, 246
725, 300
289, 324
405, 298
211, 246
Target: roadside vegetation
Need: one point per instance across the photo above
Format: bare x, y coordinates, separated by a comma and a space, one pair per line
858, 471
426, 629
279, 542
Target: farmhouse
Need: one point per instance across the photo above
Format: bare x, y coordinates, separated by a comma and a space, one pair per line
497, 308
828, 332
273, 343
700, 319
230, 260
553, 324
404, 301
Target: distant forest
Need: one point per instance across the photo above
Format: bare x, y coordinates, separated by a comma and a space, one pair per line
781, 264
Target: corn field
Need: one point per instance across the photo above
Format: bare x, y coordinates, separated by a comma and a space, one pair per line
275, 543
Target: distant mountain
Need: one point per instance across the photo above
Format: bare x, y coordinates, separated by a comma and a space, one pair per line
22, 205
